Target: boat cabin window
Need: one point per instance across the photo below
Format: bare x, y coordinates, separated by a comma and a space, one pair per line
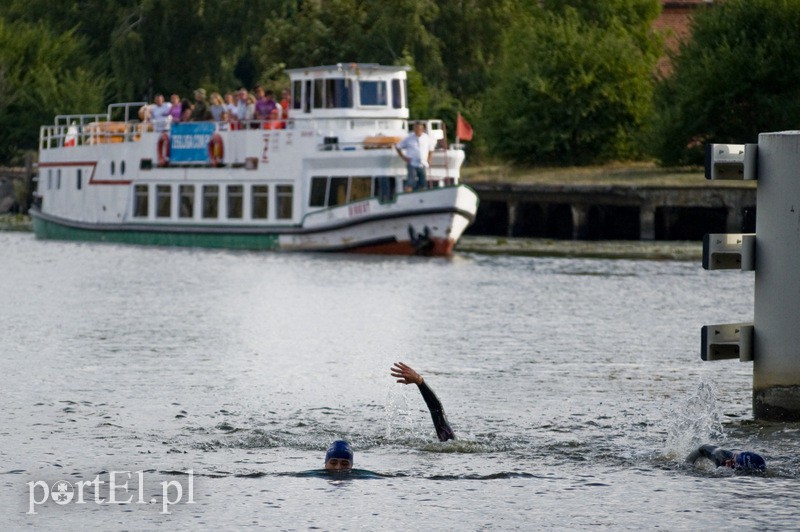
318, 189
307, 97
49, 178
260, 202
373, 93
360, 188
140, 201
112, 167
79, 175
187, 201
384, 187
163, 201
297, 94
235, 201
337, 190
397, 94
210, 201
319, 96
58, 179
284, 195
337, 193
338, 93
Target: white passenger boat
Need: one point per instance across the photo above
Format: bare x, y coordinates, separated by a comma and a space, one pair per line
325, 179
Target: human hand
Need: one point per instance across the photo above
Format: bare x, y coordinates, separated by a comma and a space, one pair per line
405, 375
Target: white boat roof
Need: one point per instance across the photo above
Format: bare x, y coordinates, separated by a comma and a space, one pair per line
354, 69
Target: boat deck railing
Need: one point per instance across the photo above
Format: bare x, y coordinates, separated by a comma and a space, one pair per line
121, 124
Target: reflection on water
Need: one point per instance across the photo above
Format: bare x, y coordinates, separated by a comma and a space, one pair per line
574, 387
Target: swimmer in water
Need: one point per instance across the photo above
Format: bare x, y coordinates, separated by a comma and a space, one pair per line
406, 375
738, 460
339, 458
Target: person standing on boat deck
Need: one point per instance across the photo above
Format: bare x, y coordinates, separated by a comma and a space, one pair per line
265, 103
160, 112
739, 460
230, 104
241, 104
405, 375
286, 101
217, 106
200, 113
418, 150
176, 109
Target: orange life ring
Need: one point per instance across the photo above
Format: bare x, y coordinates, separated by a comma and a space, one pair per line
216, 150
163, 150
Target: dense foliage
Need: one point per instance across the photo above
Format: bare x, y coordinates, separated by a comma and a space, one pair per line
42, 73
574, 83
737, 77
542, 81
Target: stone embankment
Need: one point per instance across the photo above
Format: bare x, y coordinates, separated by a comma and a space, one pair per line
15, 184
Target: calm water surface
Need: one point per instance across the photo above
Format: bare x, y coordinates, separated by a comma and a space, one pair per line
575, 388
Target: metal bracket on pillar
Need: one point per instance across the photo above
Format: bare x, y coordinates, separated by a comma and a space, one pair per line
727, 341
729, 251
731, 161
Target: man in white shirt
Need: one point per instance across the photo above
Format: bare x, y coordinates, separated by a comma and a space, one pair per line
159, 112
416, 150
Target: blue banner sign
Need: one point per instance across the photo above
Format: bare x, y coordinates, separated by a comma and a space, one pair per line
189, 142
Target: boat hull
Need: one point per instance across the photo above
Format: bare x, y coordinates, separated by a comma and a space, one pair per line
394, 230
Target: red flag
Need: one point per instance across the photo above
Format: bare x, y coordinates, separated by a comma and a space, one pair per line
463, 129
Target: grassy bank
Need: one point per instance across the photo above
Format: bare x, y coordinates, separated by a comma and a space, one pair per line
15, 222
621, 174
605, 249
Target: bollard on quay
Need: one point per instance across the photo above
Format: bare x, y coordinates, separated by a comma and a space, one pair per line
772, 340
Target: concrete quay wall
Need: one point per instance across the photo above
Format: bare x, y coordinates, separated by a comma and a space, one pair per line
613, 212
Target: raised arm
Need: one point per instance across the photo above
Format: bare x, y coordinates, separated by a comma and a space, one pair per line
719, 456
405, 375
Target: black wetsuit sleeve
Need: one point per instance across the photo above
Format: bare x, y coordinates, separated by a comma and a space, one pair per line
443, 430
716, 454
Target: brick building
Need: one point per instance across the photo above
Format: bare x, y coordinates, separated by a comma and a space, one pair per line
674, 22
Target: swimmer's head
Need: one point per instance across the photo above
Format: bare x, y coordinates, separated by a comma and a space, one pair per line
748, 461
339, 456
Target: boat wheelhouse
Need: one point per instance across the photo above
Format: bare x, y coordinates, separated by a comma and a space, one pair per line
324, 178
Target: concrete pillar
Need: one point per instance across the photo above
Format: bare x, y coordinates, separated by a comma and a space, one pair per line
647, 222
735, 218
776, 347
580, 220
512, 217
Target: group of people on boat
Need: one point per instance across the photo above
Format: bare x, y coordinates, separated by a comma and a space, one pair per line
339, 456
237, 110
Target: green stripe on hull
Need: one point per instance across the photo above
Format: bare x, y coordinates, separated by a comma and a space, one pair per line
50, 230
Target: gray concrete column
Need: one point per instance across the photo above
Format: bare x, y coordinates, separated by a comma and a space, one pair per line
776, 336
580, 219
512, 217
735, 218
647, 222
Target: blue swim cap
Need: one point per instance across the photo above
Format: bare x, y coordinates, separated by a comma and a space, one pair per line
750, 462
339, 449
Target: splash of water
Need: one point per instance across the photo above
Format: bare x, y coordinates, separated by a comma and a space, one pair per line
697, 420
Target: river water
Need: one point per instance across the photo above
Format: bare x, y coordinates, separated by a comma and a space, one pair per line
215, 380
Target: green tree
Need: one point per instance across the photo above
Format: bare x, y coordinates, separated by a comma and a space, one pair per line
470, 33
345, 31
149, 46
572, 88
739, 75
42, 74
